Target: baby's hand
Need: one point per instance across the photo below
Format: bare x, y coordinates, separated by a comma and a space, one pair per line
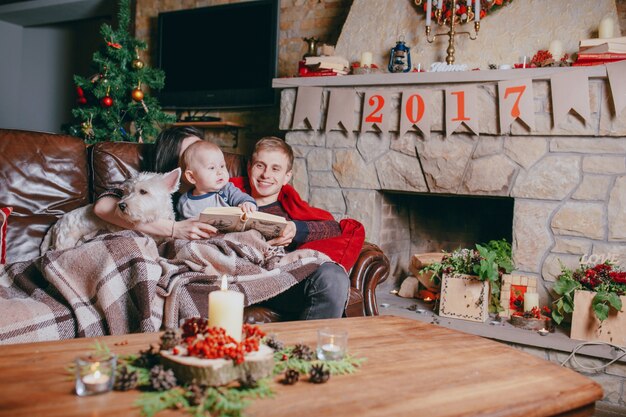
247, 207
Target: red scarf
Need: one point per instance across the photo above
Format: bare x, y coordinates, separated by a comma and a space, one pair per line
343, 249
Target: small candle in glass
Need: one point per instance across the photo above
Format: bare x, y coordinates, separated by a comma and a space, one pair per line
331, 344
94, 375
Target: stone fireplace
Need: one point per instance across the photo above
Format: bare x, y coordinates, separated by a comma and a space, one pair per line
566, 184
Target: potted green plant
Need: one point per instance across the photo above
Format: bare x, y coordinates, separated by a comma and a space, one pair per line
485, 264
594, 295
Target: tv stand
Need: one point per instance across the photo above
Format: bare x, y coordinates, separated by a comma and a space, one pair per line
230, 127
201, 119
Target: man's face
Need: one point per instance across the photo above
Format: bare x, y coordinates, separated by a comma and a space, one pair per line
268, 172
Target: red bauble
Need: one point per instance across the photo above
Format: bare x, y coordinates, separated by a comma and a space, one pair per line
106, 101
137, 94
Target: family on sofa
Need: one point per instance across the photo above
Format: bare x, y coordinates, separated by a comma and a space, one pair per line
126, 282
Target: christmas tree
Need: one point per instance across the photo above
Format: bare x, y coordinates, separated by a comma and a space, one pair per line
112, 105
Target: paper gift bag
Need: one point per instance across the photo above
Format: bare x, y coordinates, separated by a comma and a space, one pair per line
464, 297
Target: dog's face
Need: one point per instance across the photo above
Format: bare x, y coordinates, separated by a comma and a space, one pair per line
147, 196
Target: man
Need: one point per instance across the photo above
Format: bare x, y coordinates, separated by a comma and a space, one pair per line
324, 293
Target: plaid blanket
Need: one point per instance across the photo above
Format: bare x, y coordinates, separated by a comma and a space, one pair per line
122, 283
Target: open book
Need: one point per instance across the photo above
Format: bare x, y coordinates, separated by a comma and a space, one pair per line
233, 219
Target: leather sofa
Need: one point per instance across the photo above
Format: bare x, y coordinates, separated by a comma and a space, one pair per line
43, 176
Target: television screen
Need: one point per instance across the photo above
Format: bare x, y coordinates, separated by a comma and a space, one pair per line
220, 56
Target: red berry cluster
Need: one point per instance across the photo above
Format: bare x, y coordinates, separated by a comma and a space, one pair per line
216, 344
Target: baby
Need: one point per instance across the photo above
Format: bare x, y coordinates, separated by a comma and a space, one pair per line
204, 167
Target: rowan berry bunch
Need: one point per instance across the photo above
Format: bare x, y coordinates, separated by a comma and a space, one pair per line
213, 343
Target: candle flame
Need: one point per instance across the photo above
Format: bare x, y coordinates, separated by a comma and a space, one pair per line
224, 286
97, 374
428, 299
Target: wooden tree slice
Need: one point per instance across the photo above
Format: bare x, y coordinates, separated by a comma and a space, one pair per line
216, 372
531, 323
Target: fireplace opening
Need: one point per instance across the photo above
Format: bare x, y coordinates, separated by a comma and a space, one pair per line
418, 223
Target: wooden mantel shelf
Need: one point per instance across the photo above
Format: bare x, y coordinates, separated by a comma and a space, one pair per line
211, 125
598, 71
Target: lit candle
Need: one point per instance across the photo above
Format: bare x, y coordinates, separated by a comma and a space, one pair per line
366, 59
332, 352
429, 11
477, 11
530, 300
96, 382
226, 310
440, 4
605, 30
556, 49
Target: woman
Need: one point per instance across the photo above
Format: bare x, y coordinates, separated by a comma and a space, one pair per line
170, 144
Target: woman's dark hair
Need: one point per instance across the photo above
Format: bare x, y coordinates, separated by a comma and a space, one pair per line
168, 144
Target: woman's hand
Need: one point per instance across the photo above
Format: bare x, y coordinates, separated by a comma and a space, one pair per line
285, 237
192, 229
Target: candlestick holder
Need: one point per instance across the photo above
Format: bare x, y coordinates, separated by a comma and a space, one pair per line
451, 20
94, 375
331, 344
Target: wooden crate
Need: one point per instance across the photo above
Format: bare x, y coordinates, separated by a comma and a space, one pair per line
464, 297
586, 326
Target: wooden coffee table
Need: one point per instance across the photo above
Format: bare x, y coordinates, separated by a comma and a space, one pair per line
412, 368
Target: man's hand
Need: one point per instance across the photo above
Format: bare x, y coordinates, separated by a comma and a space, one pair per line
247, 207
285, 237
192, 229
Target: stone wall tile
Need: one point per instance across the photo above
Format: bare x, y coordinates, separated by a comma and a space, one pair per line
551, 267
593, 187
580, 219
599, 164
406, 143
400, 172
572, 246
616, 210
589, 145
491, 175
525, 151
372, 145
488, 145
287, 106
353, 172
531, 233
323, 179
552, 178
327, 199
305, 137
300, 178
338, 139
366, 207
320, 159
444, 161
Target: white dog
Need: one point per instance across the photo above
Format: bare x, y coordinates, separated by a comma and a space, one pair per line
146, 198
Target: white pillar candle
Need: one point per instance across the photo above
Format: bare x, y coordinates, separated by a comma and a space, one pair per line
477, 11
366, 59
429, 11
530, 300
606, 29
440, 4
556, 49
226, 310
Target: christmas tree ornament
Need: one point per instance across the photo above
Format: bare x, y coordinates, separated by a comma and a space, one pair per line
106, 101
114, 44
137, 64
87, 128
81, 99
137, 94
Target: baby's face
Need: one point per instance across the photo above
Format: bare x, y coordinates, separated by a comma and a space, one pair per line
209, 171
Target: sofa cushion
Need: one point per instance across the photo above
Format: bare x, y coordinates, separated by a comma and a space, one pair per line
42, 176
4, 220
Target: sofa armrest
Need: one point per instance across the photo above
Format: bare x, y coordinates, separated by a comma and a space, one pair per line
371, 269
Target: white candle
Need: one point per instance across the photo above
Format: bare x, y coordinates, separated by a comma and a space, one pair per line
429, 11
477, 11
605, 30
366, 59
524, 64
556, 49
469, 4
226, 310
439, 4
96, 382
530, 300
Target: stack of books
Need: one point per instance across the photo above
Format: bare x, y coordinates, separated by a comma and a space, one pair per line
601, 51
319, 66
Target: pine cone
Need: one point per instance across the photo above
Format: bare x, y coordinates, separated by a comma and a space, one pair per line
148, 358
318, 375
274, 343
162, 379
248, 381
301, 351
291, 377
125, 380
196, 392
169, 339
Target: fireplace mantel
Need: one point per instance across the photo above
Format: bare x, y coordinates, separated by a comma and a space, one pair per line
385, 79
